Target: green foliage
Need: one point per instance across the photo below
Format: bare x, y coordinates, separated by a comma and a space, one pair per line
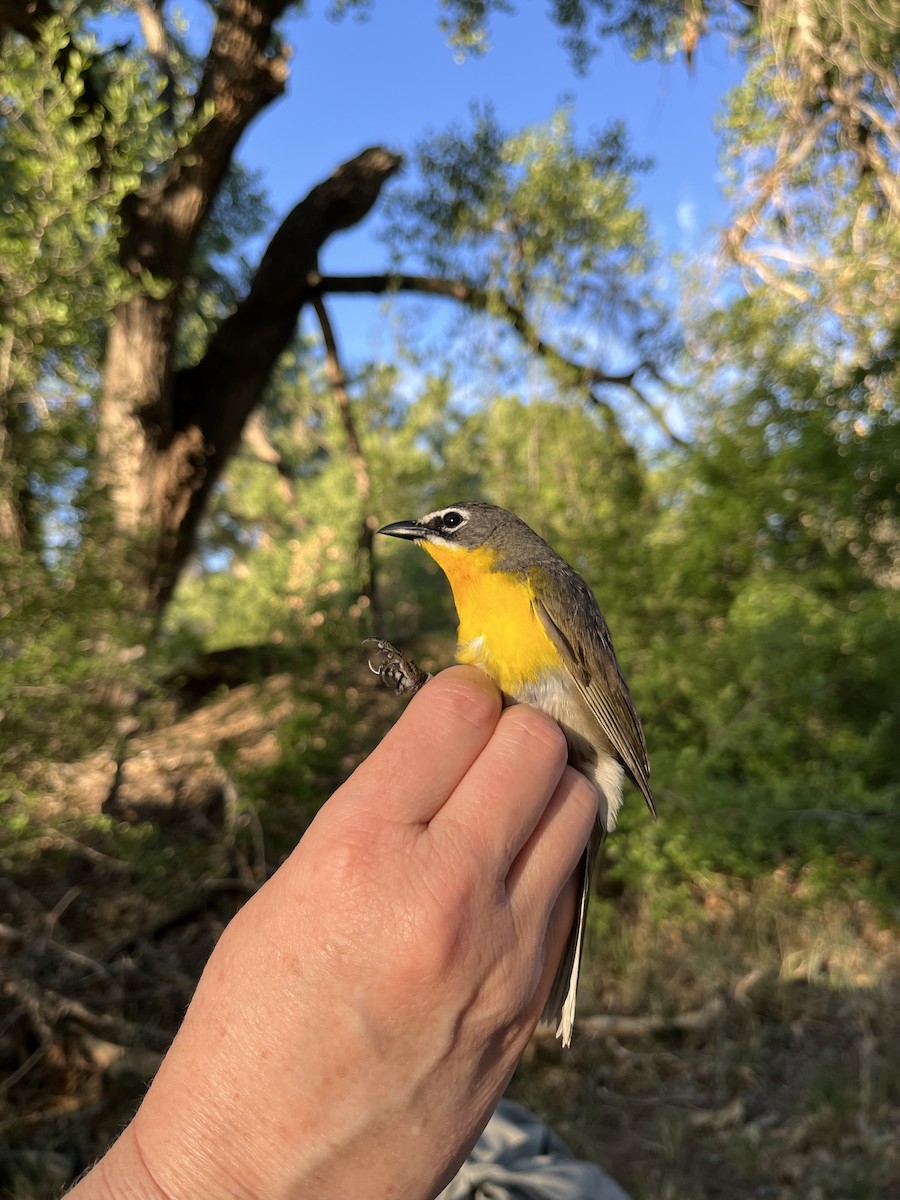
811, 153
749, 580
658, 27
79, 128
65, 166
72, 660
82, 127
66, 163
759, 645
540, 219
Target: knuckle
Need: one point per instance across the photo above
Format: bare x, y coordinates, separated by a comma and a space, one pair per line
533, 729
583, 796
464, 695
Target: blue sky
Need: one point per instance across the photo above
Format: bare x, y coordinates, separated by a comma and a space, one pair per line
390, 78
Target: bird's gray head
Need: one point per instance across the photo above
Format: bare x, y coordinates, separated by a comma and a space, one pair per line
470, 524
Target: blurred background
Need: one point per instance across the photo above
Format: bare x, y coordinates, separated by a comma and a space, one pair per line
274, 275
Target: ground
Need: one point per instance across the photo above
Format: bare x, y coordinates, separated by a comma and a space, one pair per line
745, 1044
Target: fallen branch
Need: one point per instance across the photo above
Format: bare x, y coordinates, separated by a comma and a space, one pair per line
21, 937
114, 1059
175, 916
28, 1005
612, 1025
49, 1010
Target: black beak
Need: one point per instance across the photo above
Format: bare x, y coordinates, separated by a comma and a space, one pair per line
411, 530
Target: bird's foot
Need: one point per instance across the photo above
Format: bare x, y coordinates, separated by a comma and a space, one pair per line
394, 669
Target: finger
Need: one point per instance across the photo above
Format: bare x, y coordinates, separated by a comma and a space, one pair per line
559, 929
505, 792
556, 845
423, 758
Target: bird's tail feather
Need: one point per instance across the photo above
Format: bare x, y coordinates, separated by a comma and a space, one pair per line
560, 1006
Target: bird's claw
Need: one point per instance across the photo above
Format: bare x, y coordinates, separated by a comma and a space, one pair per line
394, 669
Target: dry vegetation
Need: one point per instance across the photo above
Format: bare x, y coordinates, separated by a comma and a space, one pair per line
745, 1045
775, 1073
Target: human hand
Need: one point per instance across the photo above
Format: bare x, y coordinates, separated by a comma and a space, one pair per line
362, 1014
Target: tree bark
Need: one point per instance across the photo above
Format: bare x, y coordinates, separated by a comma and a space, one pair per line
167, 435
12, 497
24, 16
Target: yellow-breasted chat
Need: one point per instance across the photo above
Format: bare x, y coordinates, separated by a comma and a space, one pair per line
533, 624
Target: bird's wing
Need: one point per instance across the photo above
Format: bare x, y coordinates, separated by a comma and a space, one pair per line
574, 623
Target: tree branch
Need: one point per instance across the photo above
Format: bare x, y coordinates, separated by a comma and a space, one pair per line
242, 74
787, 158
606, 1025
337, 378
247, 344
260, 447
16, 17
476, 298
495, 303
213, 399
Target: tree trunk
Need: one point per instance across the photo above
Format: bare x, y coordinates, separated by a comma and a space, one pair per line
166, 436
12, 489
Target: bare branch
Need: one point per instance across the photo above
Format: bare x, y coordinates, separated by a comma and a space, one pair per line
614, 1025
338, 380
786, 162
260, 447
482, 300
479, 300
657, 414
212, 400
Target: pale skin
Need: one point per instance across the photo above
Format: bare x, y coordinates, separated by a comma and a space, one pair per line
362, 1014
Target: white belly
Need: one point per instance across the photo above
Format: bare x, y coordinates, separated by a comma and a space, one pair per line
589, 748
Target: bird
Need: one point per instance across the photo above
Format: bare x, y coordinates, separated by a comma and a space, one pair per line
533, 624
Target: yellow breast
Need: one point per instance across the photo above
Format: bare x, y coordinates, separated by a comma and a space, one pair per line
499, 629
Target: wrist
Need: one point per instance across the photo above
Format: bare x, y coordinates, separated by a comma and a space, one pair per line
121, 1174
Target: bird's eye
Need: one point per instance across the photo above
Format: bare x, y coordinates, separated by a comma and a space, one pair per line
452, 520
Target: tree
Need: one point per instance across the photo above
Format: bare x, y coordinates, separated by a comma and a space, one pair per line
57, 246
165, 427
530, 228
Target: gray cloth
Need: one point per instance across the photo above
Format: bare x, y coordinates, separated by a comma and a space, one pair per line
519, 1158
